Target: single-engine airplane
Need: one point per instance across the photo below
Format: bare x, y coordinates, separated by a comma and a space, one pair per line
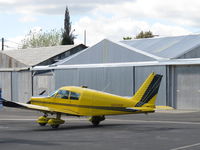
81, 101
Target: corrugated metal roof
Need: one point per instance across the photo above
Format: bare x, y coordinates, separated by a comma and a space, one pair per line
34, 56
167, 47
107, 51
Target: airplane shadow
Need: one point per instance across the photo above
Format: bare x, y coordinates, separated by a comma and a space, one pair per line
77, 127
133, 127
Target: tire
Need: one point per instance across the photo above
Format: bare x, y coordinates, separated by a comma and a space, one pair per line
55, 126
95, 123
42, 124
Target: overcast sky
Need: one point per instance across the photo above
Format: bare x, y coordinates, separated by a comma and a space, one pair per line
101, 19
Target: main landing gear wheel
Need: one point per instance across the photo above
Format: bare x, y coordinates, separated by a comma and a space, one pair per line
42, 124
43, 120
55, 126
95, 120
56, 122
95, 123
53, 122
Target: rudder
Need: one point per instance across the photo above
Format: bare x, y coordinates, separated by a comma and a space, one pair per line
147, 93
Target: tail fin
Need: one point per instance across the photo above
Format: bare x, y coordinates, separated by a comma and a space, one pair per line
147, 93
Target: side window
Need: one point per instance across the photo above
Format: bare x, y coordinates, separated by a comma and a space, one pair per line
62, 94
74, 96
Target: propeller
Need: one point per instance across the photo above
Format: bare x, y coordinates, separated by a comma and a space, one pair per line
42, 92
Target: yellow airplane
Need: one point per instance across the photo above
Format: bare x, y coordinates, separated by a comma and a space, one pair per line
81, 101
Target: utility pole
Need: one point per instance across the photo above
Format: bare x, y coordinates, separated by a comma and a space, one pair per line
85, 37
2, 42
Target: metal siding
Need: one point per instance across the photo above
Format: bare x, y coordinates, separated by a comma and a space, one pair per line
113, 80
121, 81
117, 80
187, 79
25, 86
5, 84
43, 82
171, 101
15, 85
141, 73
66, 78
93, 78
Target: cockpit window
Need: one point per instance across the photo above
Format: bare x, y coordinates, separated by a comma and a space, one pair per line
62, 94
53, 93
74, 96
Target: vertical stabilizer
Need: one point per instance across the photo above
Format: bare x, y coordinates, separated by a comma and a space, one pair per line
147, 93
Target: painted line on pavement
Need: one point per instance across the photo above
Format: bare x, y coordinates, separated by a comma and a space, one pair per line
150, 121
187, 146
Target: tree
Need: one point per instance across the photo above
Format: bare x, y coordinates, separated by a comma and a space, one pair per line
127, 38
41, 39
147, 34
67, 35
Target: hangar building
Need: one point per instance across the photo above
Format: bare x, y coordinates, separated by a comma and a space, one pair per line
121, 67
16, 79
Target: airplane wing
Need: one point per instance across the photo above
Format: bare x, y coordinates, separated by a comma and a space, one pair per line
37, 108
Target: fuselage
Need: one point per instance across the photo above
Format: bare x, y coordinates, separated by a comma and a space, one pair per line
85, 102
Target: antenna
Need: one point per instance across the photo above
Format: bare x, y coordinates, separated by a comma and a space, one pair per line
2, 42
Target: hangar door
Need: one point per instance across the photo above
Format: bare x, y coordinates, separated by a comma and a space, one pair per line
187, 87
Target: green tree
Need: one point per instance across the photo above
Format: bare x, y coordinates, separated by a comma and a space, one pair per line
42, 39
127, 38
67, 35
147, 34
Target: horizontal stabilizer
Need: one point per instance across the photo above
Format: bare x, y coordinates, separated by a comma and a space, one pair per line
164, 108
140, 109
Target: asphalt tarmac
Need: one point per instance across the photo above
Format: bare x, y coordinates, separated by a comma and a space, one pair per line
171, 130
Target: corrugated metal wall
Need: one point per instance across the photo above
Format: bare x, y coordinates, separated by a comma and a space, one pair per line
43, 82
141, 73
21, 86
113, 80
117, 80
5, 84
187, 87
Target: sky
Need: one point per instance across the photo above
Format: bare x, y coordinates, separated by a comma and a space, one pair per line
112, 19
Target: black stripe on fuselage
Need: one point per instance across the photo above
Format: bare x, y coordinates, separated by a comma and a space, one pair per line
124, 109
151, 91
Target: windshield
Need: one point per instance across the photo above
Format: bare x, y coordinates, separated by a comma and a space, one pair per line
64, 94
52, 94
